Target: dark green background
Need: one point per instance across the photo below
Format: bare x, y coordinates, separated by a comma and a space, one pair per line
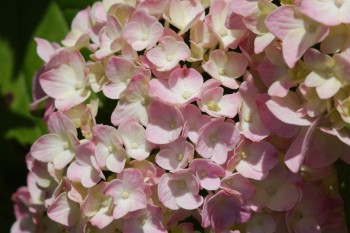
20, 22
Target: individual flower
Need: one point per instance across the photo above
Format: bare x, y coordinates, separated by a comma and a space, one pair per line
216, 104
64, 79
271, 122
181, 88
134, 137
322, 76
216, 139
202, 36
250, 124
311, 213
142, 31
286, 109
168, 53
119, 72
329, 12
224, 209
145, 220
98, 207
64, 211
179, 190
297, 32
84, 168
193, 121
208, 173
226, 67
127, 192
235, 182
176, 155
79, 36
261, 223
216, 21
134, 102
165, 123
45, 49
111, 39
109, 150
151, 173
277, 191
253, 17
275, 73
254, 160
57, 147
184, 14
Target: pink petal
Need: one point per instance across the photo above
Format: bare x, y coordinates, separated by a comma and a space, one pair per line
189, 201
165, 195
64, 211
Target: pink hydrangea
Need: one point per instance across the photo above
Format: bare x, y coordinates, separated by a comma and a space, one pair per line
192, 116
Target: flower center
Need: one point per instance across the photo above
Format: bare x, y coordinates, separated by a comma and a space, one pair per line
213, 138
202, 173
338, 3
248, 117
143, 100
125, 195
172, 124
65, 146
179, 157
186, 94
270, 191
181, 184
244, 155
111, 149
192, 126
222, 71
145, 37
78, 85
213, 106
169, 57
134, 145
223, 31
143, 221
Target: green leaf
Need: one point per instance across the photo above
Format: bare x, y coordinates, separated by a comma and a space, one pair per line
20, 124
70, 8
53, 27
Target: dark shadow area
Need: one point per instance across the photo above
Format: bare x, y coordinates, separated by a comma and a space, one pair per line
343, 171
18, 20
13, 169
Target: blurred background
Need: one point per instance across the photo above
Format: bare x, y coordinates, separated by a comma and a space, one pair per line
20, 22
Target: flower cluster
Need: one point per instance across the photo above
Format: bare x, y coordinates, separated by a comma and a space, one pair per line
227, 116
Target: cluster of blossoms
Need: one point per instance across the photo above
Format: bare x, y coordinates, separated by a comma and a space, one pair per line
228, 116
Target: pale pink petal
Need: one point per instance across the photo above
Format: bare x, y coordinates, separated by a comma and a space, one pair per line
64, 211
285, 109
165, 195
271, 122
165, 123
189, 201
296, 153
